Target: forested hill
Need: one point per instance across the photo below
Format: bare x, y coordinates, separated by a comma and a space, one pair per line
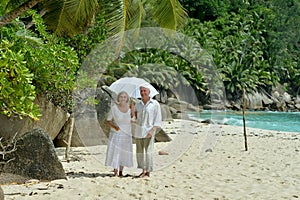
255, 44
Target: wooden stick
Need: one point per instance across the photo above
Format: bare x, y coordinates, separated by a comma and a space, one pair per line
244, 120
69, 138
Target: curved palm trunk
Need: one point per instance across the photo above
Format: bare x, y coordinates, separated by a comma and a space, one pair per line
8, 17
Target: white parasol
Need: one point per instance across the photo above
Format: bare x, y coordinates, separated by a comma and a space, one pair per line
132, 85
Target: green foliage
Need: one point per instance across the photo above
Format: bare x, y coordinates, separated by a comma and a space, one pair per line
283, 42
17, 91
84, 43
208, 10
69, 17
165, 62
3, 4
165, 70
35, 63
54, 67
254, 43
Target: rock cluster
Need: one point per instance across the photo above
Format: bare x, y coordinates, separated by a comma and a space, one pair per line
262, 101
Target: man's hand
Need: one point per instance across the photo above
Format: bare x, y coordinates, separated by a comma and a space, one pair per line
149, 135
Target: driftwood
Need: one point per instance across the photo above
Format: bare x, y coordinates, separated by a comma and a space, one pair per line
7, 148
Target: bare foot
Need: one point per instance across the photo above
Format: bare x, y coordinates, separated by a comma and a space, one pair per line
144, 174
141, 175
121, 173
115, 172
147, 174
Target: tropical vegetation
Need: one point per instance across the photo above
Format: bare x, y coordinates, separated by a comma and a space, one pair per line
44, 42
255, 44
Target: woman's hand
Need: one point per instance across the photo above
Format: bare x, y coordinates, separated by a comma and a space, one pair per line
133, 119
112, 125
116, 127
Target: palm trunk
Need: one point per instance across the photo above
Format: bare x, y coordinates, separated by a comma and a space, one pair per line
8, 17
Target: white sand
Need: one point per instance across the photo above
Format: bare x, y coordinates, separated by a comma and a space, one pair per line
270, 169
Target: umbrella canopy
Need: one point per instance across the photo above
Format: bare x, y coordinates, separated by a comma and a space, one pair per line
132, 85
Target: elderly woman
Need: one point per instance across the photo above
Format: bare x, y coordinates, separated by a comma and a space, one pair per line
119, 149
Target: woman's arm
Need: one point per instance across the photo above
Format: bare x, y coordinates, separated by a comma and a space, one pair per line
112, 125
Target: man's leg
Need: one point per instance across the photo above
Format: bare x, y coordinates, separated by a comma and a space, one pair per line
149, 146
139, 153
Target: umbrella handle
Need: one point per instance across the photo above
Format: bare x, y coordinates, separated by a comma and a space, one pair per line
109, 94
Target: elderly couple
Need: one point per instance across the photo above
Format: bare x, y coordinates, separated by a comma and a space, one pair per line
146, 114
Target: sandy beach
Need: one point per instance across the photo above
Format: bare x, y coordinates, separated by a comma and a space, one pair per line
203, 162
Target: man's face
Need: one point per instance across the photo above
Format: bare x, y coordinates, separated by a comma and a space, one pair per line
145, 92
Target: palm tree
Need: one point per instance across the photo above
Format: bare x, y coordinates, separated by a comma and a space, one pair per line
73, 16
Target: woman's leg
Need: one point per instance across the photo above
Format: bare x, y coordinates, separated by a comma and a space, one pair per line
115, 172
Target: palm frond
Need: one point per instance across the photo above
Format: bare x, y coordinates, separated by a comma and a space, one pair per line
82, 10
69, 16
117, 13
115, 16
58, 19
135, 15
169, 14
12, 4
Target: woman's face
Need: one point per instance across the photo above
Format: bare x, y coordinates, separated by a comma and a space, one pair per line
123, 98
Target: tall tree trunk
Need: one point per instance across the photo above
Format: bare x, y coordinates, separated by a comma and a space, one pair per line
8, 17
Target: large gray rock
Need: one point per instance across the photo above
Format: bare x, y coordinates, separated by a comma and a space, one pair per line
254, 101
266, 100
87, 131
166, 113
89, 128
35, 157
286, 97
297, 99
162, 136
52, 120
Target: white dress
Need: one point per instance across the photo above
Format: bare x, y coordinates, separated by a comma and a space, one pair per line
119, 148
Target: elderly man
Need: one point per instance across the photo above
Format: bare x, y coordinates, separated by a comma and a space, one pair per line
148, 121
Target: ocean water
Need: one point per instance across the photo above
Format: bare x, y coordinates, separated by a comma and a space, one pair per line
279, 121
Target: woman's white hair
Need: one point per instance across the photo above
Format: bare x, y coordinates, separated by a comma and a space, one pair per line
120, 93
